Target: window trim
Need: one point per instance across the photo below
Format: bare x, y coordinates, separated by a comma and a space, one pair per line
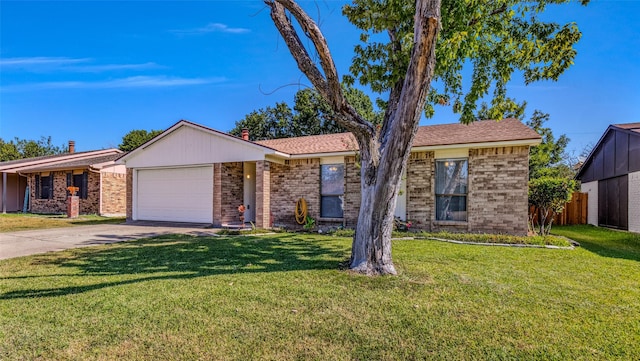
39, 178
83, 192
436, 194
340, 196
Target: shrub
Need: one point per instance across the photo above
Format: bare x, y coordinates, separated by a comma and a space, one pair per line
548, 196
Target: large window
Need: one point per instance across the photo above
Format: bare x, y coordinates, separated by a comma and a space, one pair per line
44, 186
331, 190
451, 189
81, 181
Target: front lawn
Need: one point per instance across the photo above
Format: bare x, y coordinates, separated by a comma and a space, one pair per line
283, 297
21, 222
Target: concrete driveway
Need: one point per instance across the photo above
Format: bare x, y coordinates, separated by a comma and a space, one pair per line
25, 243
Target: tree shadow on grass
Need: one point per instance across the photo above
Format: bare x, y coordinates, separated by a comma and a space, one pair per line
186, 257
603, 241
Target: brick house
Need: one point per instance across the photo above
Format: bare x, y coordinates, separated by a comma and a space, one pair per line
611, 177
470, 178
101, 182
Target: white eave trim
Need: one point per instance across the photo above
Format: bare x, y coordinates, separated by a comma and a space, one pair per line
508, 143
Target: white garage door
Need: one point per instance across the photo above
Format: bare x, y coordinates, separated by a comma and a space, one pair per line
175, 194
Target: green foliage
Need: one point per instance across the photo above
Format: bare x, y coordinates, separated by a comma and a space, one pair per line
545, 160
136, 138
309, 223
495, 39
549, 196
311, 115
27, 148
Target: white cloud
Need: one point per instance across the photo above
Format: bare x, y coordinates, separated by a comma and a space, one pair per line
43, 64
40, 61
212, 28
122, 83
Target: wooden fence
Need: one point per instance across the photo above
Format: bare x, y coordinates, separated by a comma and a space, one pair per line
575, 212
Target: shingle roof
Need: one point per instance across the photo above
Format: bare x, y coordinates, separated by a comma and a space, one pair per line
634, 127
484, 131
52, 160
74, 164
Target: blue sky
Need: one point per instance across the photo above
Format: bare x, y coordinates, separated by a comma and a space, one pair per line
91, 71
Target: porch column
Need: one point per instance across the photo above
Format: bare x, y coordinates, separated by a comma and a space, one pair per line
217, 194
4, 192
263, 194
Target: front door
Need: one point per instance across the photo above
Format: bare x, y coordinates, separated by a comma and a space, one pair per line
249, 192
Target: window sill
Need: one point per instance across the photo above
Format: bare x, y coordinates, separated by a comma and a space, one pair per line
451, 223
330, 219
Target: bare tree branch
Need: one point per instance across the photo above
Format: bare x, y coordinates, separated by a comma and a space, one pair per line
328, 85
417, 79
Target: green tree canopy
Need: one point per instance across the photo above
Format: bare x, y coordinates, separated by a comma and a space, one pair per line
136, 138
26, 148
418, 65
311, 115
546, 159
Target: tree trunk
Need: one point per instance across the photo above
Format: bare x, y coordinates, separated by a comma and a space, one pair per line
371, 248
383, 154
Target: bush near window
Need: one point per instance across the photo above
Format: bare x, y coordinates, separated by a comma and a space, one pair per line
549, 196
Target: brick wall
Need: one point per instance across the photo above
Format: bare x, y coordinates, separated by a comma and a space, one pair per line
296, 179
231, 192
634, 202
352, 195
497, 200
129, 194
263, 194
114, 193
58, 202
217, 195
420, 198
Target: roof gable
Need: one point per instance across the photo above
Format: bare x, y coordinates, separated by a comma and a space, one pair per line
616, 153
186, 143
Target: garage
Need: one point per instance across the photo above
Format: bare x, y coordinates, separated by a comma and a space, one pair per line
182, 194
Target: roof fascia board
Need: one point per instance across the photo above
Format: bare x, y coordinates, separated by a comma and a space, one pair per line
508, 143
14, 168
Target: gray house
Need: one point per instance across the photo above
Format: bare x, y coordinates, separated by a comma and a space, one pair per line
611, 177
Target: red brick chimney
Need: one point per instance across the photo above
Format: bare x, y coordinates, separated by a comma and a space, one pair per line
72, 146
245, 134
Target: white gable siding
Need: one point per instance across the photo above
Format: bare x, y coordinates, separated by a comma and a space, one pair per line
189, 146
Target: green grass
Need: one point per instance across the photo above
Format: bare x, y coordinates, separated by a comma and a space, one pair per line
283, 297
21, 222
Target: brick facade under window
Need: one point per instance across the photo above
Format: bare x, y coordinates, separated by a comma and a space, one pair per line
497, 196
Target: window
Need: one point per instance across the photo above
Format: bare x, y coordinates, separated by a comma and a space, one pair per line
331, 190
80, 181
44, 186
451, 190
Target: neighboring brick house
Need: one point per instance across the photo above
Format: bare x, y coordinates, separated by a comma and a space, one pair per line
470, 178
611, 177
101, 182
